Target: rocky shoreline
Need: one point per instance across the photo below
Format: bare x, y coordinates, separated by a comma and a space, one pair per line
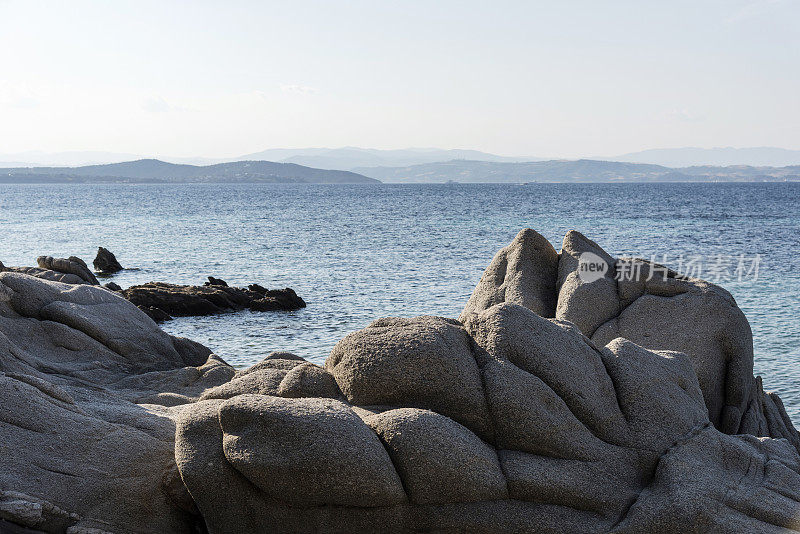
160, 300
552, 404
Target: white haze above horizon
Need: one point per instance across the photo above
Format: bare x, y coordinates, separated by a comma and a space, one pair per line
534, 79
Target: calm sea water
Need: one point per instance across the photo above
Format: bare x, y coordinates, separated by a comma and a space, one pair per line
356, 253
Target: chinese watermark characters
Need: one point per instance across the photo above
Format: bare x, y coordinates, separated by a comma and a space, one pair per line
717, 269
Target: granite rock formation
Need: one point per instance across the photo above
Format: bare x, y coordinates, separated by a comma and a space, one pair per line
656, 308
72, 265
161, 301
503, 421
86, 431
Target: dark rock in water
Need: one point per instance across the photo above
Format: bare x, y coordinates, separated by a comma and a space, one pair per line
178, 300
277, 299
71, 265
105, 261
216, 282
257, 288
76, 259
112, 286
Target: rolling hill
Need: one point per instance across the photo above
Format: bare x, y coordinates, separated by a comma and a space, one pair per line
571, 171
348, 158
685, 157
153, 170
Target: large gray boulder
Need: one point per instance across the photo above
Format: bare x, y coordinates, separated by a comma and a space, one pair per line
585, 304
524, 273
425, 362
659, 309
308, 451
503, 422
439, 460
580, 438
87, 382
664, 311
46, 274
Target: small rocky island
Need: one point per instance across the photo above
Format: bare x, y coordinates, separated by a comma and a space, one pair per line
552, 404
161, 301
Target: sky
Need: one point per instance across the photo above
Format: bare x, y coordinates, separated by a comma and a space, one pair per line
525, 78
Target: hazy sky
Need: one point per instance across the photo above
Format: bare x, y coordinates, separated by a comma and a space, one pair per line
517, 78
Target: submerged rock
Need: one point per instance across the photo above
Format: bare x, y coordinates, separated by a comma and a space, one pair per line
105, 262
178, 300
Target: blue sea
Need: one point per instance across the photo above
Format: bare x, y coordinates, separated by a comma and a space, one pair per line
359, 252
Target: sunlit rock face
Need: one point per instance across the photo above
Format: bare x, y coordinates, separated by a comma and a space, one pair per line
506, 421
86, 431
554, 404
658, 309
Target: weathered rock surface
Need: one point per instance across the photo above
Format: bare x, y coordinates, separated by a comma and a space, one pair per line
524, 273
71, 265
570, 438
178, 300
425, 362
661, 310
85, 439
105, 261
505, 422
439, 460
46, 274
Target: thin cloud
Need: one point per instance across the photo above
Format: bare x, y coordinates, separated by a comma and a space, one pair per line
750, 10
682, 115
298, 89
18, 96
156, 104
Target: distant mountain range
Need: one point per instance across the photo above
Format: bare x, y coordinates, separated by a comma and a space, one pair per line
687, 157
572, 171
349, 158
352, 158
344, 159
153, 170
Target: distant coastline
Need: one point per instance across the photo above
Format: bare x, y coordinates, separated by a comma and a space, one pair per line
156, 171
574, 171
454, 171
